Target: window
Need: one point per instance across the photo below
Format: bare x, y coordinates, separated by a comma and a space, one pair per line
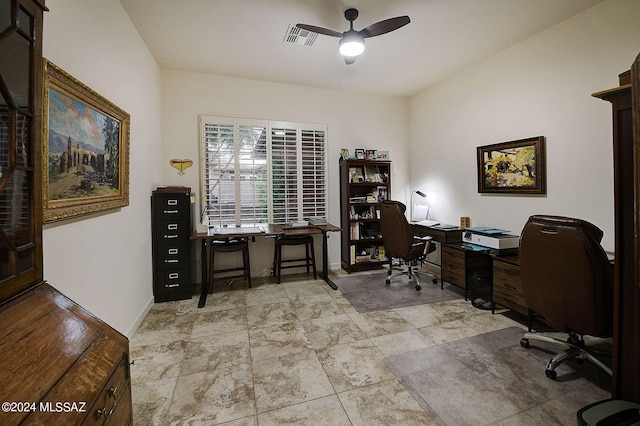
256, 171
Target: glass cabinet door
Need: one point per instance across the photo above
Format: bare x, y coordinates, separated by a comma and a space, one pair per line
20, 103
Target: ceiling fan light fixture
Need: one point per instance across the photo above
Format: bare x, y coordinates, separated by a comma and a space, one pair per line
352, 44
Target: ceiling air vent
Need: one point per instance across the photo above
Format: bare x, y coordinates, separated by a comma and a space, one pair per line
297, 35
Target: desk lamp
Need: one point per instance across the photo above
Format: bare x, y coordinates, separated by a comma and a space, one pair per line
420, 193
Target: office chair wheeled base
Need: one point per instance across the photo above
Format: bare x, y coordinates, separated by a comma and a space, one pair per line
411, 272
575, 349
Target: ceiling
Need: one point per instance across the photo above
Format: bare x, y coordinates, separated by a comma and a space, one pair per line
245, 38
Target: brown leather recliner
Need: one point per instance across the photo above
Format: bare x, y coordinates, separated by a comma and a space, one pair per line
399, 241
567, 279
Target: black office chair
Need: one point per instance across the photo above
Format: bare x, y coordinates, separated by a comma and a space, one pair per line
567, 279
400, 243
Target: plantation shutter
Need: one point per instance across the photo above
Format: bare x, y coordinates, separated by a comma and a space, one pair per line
256, 172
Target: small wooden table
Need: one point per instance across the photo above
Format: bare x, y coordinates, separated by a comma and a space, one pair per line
266, 231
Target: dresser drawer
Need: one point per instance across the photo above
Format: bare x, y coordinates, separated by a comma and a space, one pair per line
453, 277
452, 259
111, 395
507, 280
509, 300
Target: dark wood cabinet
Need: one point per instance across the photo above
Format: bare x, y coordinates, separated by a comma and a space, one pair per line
364, 184
625, 101
507, 287
171, 219
467, 269
60, 365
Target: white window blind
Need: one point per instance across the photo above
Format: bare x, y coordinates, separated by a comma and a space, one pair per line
257, 171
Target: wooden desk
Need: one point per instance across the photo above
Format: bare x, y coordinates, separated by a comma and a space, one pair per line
441, 234
270, 231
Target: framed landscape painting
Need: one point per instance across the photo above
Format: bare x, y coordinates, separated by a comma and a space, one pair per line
85, 149
515, 167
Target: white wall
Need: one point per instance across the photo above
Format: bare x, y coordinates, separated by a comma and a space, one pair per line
103, 261
542, 86
353, 120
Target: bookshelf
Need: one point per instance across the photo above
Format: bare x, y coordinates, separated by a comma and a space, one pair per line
364, 184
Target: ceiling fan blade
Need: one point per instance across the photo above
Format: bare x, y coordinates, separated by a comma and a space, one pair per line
319, 30
350, 59
385, 26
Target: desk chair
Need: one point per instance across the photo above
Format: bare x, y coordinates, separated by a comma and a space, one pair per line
294, 240
400, 243
230, 245
567, 279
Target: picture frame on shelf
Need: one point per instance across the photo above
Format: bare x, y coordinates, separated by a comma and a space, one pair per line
370, 154
382, 155
360, 154
514, 167
344, 154
85, 149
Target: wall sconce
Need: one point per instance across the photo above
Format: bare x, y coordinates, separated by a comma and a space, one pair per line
181, 165
418, 211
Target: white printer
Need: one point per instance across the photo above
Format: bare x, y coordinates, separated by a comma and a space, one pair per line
496, 239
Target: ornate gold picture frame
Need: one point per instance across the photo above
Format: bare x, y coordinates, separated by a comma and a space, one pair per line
85, 149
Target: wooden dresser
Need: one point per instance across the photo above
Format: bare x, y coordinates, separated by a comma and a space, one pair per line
59, 364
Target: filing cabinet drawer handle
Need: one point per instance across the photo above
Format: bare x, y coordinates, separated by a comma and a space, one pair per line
170, 236
172, 202
173, 251
171, 261
173, 276
172, 226
170, 211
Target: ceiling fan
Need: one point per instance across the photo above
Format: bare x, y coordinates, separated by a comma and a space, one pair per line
352, 41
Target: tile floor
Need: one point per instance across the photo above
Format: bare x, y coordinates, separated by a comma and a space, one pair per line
298, 353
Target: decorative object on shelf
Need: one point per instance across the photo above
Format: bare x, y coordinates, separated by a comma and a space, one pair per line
344, 154
360, 154
515, 167
181, 165
85, 149
371, 154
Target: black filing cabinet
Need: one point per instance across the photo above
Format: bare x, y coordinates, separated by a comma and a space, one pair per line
171, 221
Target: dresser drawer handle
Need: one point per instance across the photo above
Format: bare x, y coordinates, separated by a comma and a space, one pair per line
511, 272
108, 411
510, 287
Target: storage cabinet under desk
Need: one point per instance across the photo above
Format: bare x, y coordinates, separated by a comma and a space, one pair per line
462, 267
507, 288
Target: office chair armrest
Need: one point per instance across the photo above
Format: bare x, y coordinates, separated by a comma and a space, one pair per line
425, 238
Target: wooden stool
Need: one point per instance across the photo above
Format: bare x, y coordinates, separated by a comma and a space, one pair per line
294, 240
230, 246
